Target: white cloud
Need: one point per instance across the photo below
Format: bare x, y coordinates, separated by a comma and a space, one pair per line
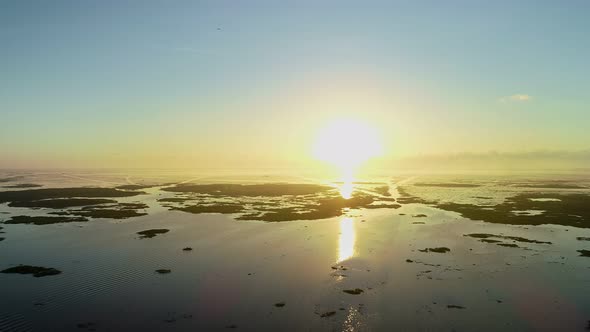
516, 98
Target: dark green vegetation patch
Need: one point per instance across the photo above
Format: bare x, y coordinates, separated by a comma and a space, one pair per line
114, 211
320, 208
43, 220
485, 236
36, 271
567, 210
53, 193
234, 190
22, 186
509, 245
60, 203
440, 250
61, 198
109, 213
279, 201
133, 187
327, 314
212, 208
454, 306
174, 200
152, 232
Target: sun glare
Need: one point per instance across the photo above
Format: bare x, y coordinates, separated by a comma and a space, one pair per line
346, 144
346, 240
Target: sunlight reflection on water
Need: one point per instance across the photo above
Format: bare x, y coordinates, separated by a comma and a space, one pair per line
354, 321
346, 190
347, 239
347, 186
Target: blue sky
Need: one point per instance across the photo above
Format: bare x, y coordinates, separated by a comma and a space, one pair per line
131, 83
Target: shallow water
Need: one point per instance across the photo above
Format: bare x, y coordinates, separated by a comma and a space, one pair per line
238, 270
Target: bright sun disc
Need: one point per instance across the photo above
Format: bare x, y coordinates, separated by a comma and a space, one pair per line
346, 144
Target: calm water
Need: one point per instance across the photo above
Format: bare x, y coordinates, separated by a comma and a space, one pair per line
238, 270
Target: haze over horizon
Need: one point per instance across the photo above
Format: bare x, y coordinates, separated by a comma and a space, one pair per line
263, 165
206, 84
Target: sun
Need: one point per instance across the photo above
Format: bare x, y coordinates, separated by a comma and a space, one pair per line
346, 144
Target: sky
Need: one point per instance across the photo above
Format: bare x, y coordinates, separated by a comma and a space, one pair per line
252, 83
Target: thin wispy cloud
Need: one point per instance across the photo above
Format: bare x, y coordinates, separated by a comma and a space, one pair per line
516, 98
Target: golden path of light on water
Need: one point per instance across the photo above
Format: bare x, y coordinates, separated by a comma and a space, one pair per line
347, 186
346, 190
347, 239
